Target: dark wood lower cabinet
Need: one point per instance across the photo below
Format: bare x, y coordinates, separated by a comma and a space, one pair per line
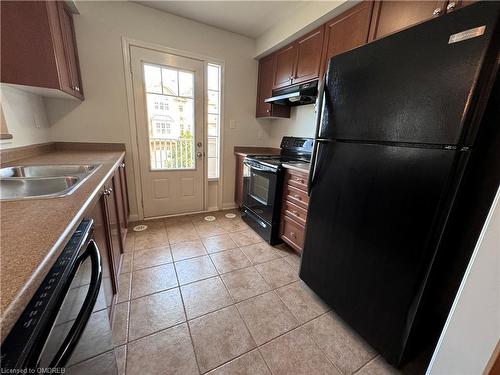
110, 213
120, 194
109, 275
238, 182
112, 218
294, 209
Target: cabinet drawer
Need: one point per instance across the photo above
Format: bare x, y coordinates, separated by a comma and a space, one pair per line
296, 179
292, 233
297, 213
297, 196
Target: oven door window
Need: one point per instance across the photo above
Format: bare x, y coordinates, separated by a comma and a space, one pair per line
259, 191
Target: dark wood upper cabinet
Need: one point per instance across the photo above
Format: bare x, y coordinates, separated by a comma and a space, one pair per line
70, 50
265, 90
391, 16
38, 47
284, 66
308, 57
347, 31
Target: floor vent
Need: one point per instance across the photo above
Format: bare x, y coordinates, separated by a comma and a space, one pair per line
140, 228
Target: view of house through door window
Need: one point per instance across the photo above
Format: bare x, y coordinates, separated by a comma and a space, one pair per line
170, 111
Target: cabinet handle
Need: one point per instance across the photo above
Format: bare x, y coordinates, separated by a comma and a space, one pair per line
436, 12
297, 197
296, 213
451, 6
122, 165
107, 192
301, 180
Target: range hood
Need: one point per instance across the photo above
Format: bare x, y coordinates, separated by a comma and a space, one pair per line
300, 94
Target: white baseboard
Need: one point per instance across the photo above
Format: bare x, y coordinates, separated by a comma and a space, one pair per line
133, 217
229, 206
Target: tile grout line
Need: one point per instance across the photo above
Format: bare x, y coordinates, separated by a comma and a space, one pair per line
187, 322
210, 312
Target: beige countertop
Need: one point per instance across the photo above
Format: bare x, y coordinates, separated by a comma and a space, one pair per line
252, 150
34, 231
301, 167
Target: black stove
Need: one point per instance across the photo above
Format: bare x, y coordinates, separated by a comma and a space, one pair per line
263, 185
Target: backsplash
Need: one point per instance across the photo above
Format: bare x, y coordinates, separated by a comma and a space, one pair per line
25, 117
300, 124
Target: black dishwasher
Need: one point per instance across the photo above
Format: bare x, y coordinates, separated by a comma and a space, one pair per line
67, 321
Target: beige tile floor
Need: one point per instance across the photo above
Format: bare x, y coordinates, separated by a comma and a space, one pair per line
202, 297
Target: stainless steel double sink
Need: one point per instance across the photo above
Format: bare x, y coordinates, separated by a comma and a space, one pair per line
43, 181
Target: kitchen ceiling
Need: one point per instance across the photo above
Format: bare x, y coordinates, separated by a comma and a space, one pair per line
248, 18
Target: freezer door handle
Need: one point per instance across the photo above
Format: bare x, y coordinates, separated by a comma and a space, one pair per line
319, 118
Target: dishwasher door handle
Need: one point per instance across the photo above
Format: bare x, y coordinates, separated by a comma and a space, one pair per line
71, 341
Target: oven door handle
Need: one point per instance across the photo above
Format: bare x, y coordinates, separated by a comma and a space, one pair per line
259, 168
71, 340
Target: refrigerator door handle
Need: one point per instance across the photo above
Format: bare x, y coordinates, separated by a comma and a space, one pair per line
319, 118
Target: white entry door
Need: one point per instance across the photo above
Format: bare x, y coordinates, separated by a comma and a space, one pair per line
168, 97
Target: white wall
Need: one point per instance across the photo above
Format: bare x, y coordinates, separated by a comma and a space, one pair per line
302, 123
25, 117
103, 116
473, 327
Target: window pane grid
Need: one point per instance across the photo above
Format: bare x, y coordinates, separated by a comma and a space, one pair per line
171, 117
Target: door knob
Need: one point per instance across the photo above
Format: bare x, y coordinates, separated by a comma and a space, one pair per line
199, 155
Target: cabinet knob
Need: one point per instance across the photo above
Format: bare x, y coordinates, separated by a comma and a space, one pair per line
301, 180
452, 5
122, 165
437, 12
107, 192
296, 213
267, 110
293, 234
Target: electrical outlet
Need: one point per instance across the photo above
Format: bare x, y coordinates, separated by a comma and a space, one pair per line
232, 124
35, 121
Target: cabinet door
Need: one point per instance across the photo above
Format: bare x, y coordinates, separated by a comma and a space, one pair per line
347, 31
265, 85
285, 66
391, 16
308, 62
265, 90
109, 275
113, 224
123, 180
238, 183
70, 51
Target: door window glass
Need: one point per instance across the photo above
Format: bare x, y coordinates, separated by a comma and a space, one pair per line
171, 117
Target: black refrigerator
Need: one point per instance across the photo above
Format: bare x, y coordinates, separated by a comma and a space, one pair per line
397, 146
